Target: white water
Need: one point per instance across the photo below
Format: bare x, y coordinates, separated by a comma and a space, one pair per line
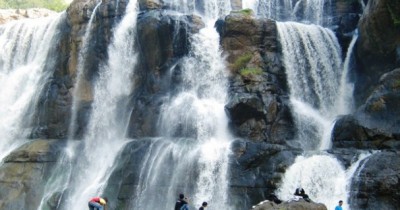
306, 11
195, 133
319, 91
211, 9
345, 103
59, 179
25, 46
323, 178
275, 9
313, 67
78, 96
107, 125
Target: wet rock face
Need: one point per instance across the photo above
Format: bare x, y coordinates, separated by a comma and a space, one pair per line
375, 124
378, 45
377, 184
163, 39
257, 105
25, 172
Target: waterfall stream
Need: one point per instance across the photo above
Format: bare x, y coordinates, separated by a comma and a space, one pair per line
194, 128
324, 179
319, 91
191, 153
79, 84
313, 67
25, 48
106, 130
305, 11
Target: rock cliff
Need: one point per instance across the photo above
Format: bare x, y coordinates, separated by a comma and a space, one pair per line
258, 107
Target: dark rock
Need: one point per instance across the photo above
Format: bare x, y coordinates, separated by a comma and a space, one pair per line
257, 106
292, 205
350, 133
150, 4
25, 172
163, 39
377, 45
377, 183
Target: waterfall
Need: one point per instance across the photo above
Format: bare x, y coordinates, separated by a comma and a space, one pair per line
306, 11
209, 9
23, 59
275, 9
105, 134
77, 96
194, 141
323, 178
319, 91
345, 104
250, 4
58, 181
313, 67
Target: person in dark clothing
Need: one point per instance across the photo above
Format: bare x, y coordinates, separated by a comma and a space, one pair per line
179, 203
300, 192
185, 204
203, 206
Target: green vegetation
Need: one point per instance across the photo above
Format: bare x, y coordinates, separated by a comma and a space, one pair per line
56, 5
242, 61
246, 11
396, 84
395, 17
250, 71
377, 105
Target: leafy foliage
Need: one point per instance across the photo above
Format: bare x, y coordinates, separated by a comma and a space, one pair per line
250, 71
56, 5
246, 11
242, 61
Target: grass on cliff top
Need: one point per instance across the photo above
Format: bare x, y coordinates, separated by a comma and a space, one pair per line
55, 5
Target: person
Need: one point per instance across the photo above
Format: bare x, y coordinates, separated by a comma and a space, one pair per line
301, 193
185, 204
339, 207
179, 202
203, 205
97, 203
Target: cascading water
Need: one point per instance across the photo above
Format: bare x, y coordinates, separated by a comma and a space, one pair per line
195, 126
307, 11
79, 73
313, 68
345, 103
319, 91
105, 134
25, 48
322, 176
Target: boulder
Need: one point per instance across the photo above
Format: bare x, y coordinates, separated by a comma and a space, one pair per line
25, 173
378, 182
290, 205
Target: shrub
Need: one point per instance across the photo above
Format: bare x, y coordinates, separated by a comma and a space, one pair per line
242, 61
56, 5
250, 71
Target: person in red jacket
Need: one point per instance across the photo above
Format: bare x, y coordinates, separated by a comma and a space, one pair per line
97, 203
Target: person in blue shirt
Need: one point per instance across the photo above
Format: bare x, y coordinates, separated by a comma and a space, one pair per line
339, 207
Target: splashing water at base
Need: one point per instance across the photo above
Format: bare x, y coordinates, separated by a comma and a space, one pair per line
323, 177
